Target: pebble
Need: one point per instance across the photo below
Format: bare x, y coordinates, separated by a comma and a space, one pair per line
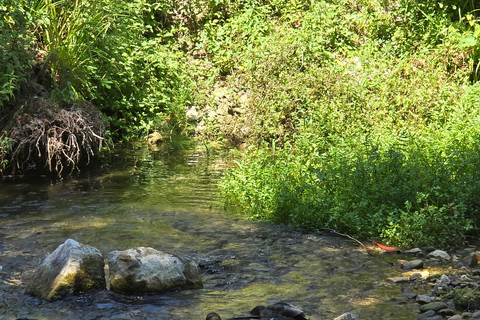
415, 276
433, 304
422, 298
428, 313
410, 296
346, 316
444, 279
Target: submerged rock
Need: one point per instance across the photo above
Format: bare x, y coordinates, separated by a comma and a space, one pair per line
414, 251
414, 264
398, 279
346, 316
280, 310
72, 268
146, 270
213, 316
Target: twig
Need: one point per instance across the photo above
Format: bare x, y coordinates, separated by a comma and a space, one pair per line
350, 237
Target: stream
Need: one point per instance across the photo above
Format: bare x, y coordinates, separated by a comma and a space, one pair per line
171, 202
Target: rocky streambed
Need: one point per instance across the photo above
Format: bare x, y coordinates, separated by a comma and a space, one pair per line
171, 203
443, 285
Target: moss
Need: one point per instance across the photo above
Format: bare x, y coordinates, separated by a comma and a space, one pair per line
128, 285
466, 299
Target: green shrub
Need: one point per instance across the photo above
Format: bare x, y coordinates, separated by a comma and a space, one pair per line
417, 188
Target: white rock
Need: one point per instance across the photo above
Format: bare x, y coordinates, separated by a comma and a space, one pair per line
191, 114
346, 316
439, 254
444, 279
146, 270
414, 251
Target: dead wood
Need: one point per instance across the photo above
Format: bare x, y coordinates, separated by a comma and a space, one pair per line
349, 237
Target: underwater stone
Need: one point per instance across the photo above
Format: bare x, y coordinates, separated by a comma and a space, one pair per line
346, 316
398, 279
146, 270
414, 264
72, 268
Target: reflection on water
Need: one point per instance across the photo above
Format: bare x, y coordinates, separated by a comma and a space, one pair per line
172, 203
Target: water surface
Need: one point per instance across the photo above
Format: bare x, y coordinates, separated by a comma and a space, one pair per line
171, 202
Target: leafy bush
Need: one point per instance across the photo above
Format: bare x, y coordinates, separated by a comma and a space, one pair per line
373, 121
413, 192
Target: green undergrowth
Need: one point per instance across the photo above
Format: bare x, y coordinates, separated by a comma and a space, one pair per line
364, 119
409, 188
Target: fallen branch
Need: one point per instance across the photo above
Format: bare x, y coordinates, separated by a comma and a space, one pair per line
350, 237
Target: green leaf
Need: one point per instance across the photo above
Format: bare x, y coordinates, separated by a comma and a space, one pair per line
469, 41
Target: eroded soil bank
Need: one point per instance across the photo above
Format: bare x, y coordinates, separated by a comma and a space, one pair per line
171, 203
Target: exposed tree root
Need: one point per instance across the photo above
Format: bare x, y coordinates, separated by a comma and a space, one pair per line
47, 137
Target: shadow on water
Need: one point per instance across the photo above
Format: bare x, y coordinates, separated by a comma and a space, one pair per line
172, 203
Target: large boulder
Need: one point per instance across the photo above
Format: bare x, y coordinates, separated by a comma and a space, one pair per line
72, 268
146, 270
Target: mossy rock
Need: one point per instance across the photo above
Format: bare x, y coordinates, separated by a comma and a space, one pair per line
71, 268
466, 299
435, 306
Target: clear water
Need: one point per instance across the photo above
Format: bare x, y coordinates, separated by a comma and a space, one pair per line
171, 202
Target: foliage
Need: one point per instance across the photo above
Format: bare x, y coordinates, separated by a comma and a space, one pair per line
370, 122
5, 148
15, 39
409, 190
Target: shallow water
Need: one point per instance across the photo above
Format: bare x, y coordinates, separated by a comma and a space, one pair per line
171, 203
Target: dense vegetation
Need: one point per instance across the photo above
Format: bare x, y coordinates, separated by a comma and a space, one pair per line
358, 115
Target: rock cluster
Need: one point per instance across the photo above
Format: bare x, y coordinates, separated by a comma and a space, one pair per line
76, 268
452, 294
